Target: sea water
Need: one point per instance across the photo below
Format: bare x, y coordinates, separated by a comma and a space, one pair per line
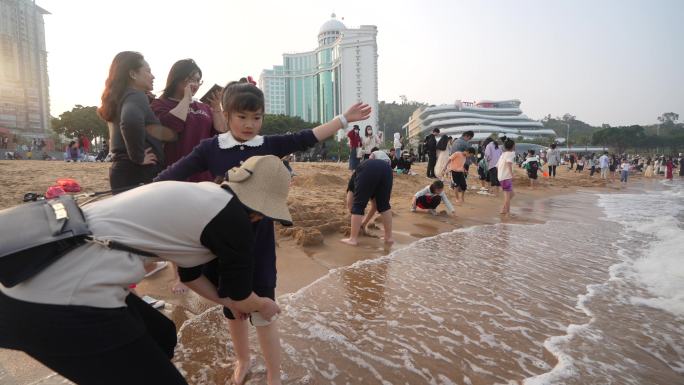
595, 295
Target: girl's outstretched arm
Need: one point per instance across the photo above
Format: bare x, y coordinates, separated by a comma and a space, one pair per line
357, 112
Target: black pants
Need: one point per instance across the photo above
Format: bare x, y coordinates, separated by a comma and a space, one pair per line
432, 161
552, 170
373, 179
93, 346
124, 174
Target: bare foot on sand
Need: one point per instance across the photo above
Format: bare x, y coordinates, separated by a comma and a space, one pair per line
349, 241
240, 373
179, 288
389, 241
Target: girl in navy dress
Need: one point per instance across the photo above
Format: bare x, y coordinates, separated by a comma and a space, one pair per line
243, 107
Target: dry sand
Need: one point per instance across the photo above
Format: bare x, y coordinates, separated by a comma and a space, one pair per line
311, 247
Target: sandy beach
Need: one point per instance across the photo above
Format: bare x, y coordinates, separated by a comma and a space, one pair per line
311, 248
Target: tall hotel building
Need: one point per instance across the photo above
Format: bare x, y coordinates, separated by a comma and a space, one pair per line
24, 99
320, 84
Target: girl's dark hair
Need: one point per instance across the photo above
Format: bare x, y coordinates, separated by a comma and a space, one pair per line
180, 71
553, 146
375, 149
508, 144
117, 81
371, 132
436, 185
531, 152
242, 96
496, 143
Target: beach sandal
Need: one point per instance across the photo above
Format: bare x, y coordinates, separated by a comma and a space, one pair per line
160, 266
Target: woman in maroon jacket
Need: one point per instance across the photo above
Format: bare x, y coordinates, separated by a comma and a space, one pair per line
191, 119
354, 146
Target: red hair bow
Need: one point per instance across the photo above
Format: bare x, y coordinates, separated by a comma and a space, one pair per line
251, 80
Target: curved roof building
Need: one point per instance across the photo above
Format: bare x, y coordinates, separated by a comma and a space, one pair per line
484, 118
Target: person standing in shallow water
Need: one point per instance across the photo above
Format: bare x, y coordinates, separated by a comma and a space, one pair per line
192, 120
243, 107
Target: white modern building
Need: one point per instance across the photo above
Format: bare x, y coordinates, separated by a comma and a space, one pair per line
24, 98
322, 83
484, 118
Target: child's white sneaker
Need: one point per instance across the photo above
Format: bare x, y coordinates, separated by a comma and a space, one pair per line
433, 212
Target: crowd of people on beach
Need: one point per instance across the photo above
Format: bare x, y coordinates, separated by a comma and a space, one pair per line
80, 314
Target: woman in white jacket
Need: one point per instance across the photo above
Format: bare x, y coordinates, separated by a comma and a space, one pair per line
397, 144
369, 141
552, 159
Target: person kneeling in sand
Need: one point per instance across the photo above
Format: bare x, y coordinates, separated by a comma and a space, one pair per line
372, 180
77, 315
430, 198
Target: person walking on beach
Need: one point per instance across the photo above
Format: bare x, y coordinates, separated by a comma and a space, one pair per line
624, 170
580, 164
604, 164
355, 151
372, 180
669, 167
456, 166
553, 159
648, 173
504, 169
101, 333
430, 198
431, 151
462, 143
532, 165
482, 169
243, 108
571, 159
492, 155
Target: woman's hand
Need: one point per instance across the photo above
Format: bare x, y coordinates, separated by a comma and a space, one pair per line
357, 112
150, 157
187, 92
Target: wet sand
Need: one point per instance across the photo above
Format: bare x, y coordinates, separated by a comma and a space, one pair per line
311, 248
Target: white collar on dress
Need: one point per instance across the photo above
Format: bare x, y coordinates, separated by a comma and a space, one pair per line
226, 141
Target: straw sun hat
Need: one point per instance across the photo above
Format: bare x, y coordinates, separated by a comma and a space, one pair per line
261, 183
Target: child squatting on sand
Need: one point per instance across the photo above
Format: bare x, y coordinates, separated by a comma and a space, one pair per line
430, 197
243, 106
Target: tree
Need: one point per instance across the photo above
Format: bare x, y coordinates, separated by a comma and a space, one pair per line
80, 121
392, 116
668, 122
283, 124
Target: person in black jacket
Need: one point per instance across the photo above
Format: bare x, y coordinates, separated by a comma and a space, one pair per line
431, 151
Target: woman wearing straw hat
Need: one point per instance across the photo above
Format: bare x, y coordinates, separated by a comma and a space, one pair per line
77, 316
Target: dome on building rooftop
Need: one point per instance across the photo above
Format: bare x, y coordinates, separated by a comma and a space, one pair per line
332, 25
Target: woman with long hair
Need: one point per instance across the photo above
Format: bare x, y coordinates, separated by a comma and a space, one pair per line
137, 156
192, 120
369, 141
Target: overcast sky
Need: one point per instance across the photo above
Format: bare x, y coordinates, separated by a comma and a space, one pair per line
608, 61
